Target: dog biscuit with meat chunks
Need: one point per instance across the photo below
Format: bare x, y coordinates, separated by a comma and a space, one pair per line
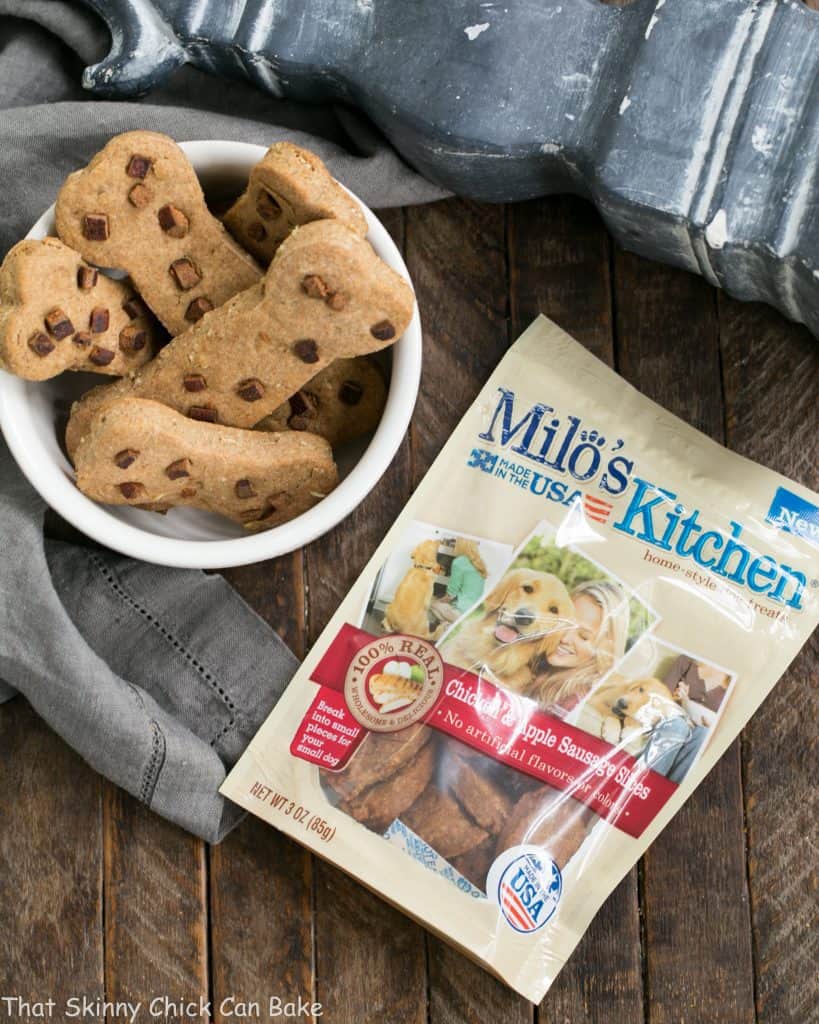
141, 453
138, 206
288, 187
340, 404
241, 361
57, 313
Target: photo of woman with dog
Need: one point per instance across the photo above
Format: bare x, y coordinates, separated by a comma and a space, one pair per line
467, 580
432, 576
645, 706
587, 651
554, 625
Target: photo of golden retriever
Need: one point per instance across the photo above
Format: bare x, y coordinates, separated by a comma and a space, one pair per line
520, 619
630, 708
408, 612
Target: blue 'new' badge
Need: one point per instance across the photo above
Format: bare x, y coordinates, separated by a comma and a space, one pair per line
793, 514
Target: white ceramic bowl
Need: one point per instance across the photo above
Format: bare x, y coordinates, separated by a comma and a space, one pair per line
32, 415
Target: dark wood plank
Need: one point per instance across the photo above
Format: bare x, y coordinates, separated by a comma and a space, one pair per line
261, 882
460, 992
275, 590
559, 256
667, 339
156, 941
698, 960
771, 380
771, 375
50, 866
369, 958
456, 254
261, 913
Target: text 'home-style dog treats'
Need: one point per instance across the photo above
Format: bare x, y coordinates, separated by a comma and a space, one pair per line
574, 616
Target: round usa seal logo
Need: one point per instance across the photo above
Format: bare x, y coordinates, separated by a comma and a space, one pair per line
526, 885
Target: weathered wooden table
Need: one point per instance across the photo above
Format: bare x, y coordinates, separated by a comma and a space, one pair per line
715, 926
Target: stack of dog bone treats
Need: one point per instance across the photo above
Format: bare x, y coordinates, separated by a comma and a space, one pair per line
283, 351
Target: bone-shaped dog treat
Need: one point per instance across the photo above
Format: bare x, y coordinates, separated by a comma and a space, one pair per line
142, 453
57, 313
288, 187
242, 360
138, 206
340, 404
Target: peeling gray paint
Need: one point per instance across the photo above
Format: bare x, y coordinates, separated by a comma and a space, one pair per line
692, 124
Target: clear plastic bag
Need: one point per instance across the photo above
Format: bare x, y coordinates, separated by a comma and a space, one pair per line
575, 615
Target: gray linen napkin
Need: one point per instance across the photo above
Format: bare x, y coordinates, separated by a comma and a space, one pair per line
157, 677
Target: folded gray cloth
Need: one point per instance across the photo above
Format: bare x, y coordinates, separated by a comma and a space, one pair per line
158, 677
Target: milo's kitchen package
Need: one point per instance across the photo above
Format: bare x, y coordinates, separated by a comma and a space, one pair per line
571, 620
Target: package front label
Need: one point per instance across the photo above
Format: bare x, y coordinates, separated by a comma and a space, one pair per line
618, 786
576, 613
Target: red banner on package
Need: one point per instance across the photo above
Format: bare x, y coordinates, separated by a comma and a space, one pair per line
508, 728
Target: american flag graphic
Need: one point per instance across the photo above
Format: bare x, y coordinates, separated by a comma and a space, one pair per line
515, 910
527, 887
596, 508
